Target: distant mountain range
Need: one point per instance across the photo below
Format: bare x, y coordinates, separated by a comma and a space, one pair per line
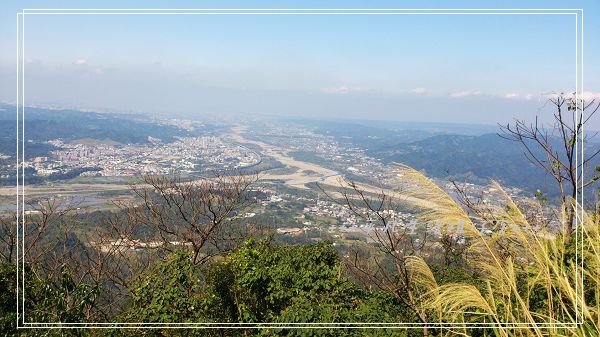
440, 150
441, 153
45, 124
479, 158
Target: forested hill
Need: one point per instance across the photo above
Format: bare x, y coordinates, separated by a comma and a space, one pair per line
488, 156
452, 152
45, 124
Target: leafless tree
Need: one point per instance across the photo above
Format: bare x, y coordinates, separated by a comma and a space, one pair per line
49, 216
169, 213
198, 214
557, 148
59, 240
51, 247
384, 267
492, 216
8, 237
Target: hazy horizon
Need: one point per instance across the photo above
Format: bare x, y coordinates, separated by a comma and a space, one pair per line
479, 69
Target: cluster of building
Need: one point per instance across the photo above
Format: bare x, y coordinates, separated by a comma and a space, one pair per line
357, 218
126, 244
187, 154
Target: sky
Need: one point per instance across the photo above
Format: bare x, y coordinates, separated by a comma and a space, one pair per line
483, 69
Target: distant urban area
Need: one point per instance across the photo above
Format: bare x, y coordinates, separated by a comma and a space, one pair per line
300, 165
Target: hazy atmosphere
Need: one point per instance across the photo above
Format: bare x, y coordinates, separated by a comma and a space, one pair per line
443, 68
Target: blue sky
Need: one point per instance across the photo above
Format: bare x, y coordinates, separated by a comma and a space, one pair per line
441, 68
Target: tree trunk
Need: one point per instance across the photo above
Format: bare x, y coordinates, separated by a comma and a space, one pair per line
570, 218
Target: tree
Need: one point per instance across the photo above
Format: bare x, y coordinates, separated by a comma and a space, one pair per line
8, 237
168, 292
557, 149
197, 213
386, 267
45, 301
260, 283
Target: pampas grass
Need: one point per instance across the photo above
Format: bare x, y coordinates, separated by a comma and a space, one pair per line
530, 273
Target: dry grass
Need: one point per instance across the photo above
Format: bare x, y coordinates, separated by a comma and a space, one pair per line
529, 273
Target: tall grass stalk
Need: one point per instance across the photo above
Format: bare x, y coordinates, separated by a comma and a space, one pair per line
529, 273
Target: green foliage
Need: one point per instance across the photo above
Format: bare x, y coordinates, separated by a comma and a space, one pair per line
259, 283
169, 292
45, 301
8, 302
267, 278
294, 284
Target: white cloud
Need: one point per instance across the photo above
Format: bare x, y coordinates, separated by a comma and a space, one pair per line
336, 90
80, 62
554, 94
464, 93
341, 90
586, 95
512, 95
31, 61
418, 90
589, 95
